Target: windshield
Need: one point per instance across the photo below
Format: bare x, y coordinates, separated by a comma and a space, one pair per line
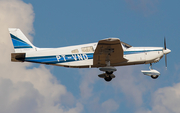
126, 45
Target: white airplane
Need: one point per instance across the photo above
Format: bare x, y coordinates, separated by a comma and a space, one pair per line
105, 55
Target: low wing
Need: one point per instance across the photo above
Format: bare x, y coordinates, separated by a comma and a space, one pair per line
108, 50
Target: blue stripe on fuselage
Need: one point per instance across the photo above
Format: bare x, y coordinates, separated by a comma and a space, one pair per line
59, 58
141, 51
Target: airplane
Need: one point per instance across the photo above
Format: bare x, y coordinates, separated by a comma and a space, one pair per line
106, 54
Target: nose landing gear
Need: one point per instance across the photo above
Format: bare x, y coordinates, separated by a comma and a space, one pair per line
154, 74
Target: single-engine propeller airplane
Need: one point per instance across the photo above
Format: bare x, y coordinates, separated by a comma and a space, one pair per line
105, 55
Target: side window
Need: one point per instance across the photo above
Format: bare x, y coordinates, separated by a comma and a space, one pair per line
87, 49
75, 51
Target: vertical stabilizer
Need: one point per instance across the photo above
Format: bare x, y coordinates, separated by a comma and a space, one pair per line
20, 41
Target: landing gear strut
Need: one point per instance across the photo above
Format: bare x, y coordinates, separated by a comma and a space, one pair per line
108, 75
153, 76
150, 67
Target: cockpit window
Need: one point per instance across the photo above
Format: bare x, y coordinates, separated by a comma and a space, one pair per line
126, 45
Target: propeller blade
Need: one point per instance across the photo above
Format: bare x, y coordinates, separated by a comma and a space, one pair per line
165, 54
164, 43
166, 61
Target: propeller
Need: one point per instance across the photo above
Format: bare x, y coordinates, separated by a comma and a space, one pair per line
165, 54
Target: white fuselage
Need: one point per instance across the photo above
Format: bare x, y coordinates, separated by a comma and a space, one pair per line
81, 56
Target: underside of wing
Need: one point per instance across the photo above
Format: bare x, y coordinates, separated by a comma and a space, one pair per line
108, 50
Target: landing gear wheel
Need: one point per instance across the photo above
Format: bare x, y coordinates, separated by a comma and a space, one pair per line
154, 76
108, 78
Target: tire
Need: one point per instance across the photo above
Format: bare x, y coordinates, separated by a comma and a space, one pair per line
154, 76
108, 78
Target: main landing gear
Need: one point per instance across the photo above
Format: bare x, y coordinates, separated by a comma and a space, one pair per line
108, 75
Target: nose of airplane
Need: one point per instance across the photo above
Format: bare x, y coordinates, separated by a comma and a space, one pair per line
166, 51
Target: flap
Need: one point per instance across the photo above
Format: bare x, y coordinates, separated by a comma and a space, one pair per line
108, 50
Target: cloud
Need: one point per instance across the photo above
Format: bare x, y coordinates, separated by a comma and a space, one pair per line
166, 100
88, 79
130, 89
15, 13
109, 106
19, 97
27, 90
147, 7
132, 84
128, 82
91, 98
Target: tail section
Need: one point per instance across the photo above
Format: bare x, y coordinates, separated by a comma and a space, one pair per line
20, 41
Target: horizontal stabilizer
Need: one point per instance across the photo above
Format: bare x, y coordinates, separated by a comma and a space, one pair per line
18, 57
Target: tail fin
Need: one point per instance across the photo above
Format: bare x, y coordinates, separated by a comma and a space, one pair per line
20, 41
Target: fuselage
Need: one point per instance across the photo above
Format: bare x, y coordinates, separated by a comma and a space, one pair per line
104, 55
81, 56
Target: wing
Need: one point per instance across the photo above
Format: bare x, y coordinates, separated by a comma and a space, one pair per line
108, 50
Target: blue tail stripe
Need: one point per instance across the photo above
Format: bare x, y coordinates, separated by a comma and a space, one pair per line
16, 38
18, 43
